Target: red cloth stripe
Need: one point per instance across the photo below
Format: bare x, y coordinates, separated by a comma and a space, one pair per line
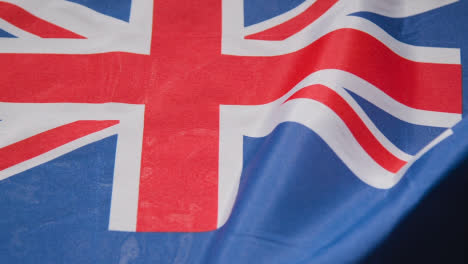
46, 141
21, 18
355, 124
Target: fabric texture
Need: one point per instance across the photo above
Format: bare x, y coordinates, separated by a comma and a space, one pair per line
233, 131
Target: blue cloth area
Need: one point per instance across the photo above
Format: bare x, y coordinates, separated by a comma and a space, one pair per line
119, 9
408, 137
256, 11
4, 34
403, 29
294, 203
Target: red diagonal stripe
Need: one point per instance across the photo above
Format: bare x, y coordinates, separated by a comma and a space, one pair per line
355, 124
49, 140
296, 24
21, 18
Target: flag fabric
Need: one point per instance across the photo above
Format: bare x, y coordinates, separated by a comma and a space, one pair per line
233, 131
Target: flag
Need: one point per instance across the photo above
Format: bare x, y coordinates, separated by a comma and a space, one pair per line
234, 131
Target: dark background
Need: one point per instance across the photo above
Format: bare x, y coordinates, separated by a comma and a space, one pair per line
436, 231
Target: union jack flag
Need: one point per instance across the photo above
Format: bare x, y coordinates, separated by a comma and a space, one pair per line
196, 96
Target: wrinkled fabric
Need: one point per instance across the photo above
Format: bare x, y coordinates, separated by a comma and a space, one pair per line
297, 200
